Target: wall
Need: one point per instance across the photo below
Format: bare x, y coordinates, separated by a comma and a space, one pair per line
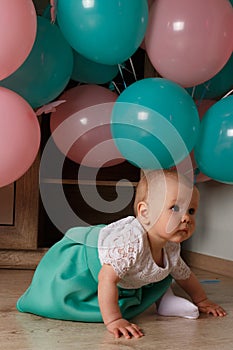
214, 233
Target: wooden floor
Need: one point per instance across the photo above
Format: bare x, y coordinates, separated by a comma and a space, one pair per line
24, 331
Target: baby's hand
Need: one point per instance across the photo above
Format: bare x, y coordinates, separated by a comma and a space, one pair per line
208, 307
125, 328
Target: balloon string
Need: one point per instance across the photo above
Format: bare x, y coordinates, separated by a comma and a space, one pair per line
116, 88
227, 94
193, 91
53, 10
122, 76
203, 93
125, 68
132, 66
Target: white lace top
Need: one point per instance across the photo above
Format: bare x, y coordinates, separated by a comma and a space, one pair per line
124, 245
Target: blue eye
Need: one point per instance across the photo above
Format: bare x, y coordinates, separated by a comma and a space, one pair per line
191, 211
175, 208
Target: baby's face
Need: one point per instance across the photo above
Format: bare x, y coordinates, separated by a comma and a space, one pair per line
172, 211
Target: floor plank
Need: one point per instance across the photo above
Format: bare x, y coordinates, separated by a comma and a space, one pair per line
20, 331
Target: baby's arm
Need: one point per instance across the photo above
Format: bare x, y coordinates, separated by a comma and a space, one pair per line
194, 289
108, 302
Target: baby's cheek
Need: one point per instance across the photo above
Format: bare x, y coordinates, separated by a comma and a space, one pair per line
193, 225
172, 223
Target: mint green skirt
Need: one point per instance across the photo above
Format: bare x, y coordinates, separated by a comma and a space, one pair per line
65, 282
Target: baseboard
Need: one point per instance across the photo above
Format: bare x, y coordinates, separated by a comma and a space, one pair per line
208, 263
21, 259
29, 259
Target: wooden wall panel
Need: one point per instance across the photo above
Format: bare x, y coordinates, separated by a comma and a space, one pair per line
7, 205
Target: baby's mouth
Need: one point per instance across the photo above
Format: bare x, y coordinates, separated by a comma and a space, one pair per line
184, 229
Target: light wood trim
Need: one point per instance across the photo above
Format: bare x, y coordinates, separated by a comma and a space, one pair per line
23, 234
88, 182
208, 263
21, 259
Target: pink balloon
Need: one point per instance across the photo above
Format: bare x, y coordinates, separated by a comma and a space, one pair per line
18, 25
201, 178
81, 126
189, 41
202, 107
184, 168
19, 136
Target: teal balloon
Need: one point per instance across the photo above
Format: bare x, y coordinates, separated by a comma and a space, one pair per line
214, 149
155, 123
47, 70
87, 71
47, 12
106, 32
219, 85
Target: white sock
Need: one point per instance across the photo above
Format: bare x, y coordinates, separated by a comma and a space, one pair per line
171, 305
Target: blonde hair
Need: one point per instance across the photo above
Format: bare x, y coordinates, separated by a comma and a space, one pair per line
154, 178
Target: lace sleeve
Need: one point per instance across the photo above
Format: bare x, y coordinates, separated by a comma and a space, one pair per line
119, 247
121, 258
180, 271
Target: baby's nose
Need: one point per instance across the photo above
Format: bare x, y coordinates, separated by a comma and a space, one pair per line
185, 218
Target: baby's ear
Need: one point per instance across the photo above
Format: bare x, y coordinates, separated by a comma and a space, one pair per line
142, 211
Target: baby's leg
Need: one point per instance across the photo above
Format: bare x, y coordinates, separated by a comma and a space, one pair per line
171, 305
